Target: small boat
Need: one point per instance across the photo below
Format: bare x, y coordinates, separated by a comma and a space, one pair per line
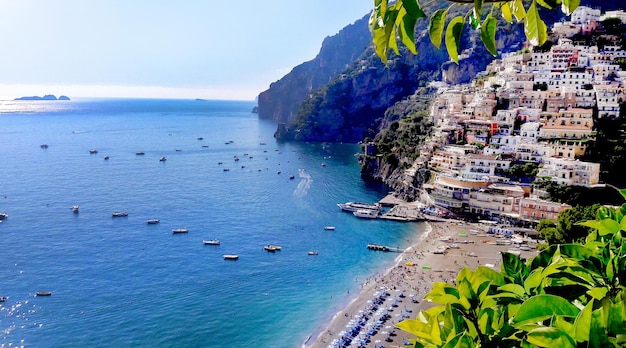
180, 230
43, 293
354, 206
272, 248
225, 169
106, 158
329, 228
3, 216
200, 138
140, 153
366, 213
153, 221
43, 146
163, 159
231, 257
291, 177
74, 209
119, 214
3, 298
93, 151
178, 150
205, 145
211, 242
312, 252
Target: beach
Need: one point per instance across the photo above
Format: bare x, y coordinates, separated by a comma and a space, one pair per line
387, 298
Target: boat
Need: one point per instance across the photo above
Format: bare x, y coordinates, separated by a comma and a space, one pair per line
106, 158
329, 228
354, 206
119, 214
43, 293
43, 146
163, 159
272, 248
140, 153
3, 298
231, 257
180, 230
3, 216
211, 242
312, 252
291, 177
200, 138
93, 151
366, 213
153, 221
74, 209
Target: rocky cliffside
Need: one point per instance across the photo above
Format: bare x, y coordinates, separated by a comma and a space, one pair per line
281, 101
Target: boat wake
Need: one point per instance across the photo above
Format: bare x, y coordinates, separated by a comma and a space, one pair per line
304, 185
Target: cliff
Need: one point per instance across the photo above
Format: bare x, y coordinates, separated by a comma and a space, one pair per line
281, 101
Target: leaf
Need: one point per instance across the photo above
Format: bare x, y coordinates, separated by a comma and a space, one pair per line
474, 20
568, 6
535, 29
542, 307
623, 193
453, 38
517, 7
545, 4
413, 9
582, 324
604, 227
506, 12
478, 9
407, 33
436, 25
488, 34
550, 337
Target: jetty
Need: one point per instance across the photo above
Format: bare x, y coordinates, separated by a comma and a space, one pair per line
378, 247
401, 210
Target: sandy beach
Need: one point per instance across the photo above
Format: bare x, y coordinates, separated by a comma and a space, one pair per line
369, 320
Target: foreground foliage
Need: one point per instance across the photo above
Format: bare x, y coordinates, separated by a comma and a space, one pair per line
569, 295
390, 22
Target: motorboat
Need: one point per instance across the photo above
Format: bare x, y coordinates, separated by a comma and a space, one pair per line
140, 153
180, 230
366, 213
329, 228
106, 158
211, 242
3, 216
153, 221
3, 298
291, 177
74, 209
312, 252
43, 293
272, 248
119, 214
354, 206
93, 151
43, 146
163, 159
231, 257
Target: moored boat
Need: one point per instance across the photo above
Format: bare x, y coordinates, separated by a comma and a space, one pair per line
74, 209
329, 228
354, 206
163, 159
366, 213
272, 248
211, 242
180, 230
3, 298
140, 153
43, 146
3, 216
312, 252
231, 257
93, 151
43, 293
119, 214
153, 221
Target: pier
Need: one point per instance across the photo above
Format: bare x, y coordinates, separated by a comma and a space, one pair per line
377, 247
401, 210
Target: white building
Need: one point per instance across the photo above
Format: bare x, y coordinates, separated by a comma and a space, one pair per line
570, 172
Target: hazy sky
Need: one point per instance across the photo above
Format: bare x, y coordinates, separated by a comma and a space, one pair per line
153, 48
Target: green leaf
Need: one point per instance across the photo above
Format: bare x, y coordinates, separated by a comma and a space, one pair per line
516, 289
407, 33
488, 34
517, 7
604, 227
436, 25
582, 324
568, 6
535, 29
550, 337
453, 37
545, 4
542, 307
413, 9
478, 9
474, 19
623, 193
506, 12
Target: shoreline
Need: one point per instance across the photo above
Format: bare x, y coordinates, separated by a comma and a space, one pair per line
396, 293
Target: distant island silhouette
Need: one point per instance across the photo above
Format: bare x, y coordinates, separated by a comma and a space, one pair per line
45, 97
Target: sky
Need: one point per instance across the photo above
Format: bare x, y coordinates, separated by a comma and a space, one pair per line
161, 49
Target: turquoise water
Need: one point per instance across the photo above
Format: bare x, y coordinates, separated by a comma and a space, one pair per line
122, 282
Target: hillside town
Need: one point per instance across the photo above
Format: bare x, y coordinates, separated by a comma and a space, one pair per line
535, 106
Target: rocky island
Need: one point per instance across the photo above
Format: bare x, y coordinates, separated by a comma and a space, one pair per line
45, 97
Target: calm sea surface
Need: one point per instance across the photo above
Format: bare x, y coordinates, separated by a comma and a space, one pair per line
122, 282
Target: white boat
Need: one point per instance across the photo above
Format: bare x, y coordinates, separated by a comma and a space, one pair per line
231, 257
119, 214
366, 213
153, 221
211, 242
272, 248
163, 159
312, 252
74, 209
140, 153
180, 230
93, 151
354, 206
329, 228
3, 216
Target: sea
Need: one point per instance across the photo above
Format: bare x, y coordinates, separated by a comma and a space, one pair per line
118, 281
